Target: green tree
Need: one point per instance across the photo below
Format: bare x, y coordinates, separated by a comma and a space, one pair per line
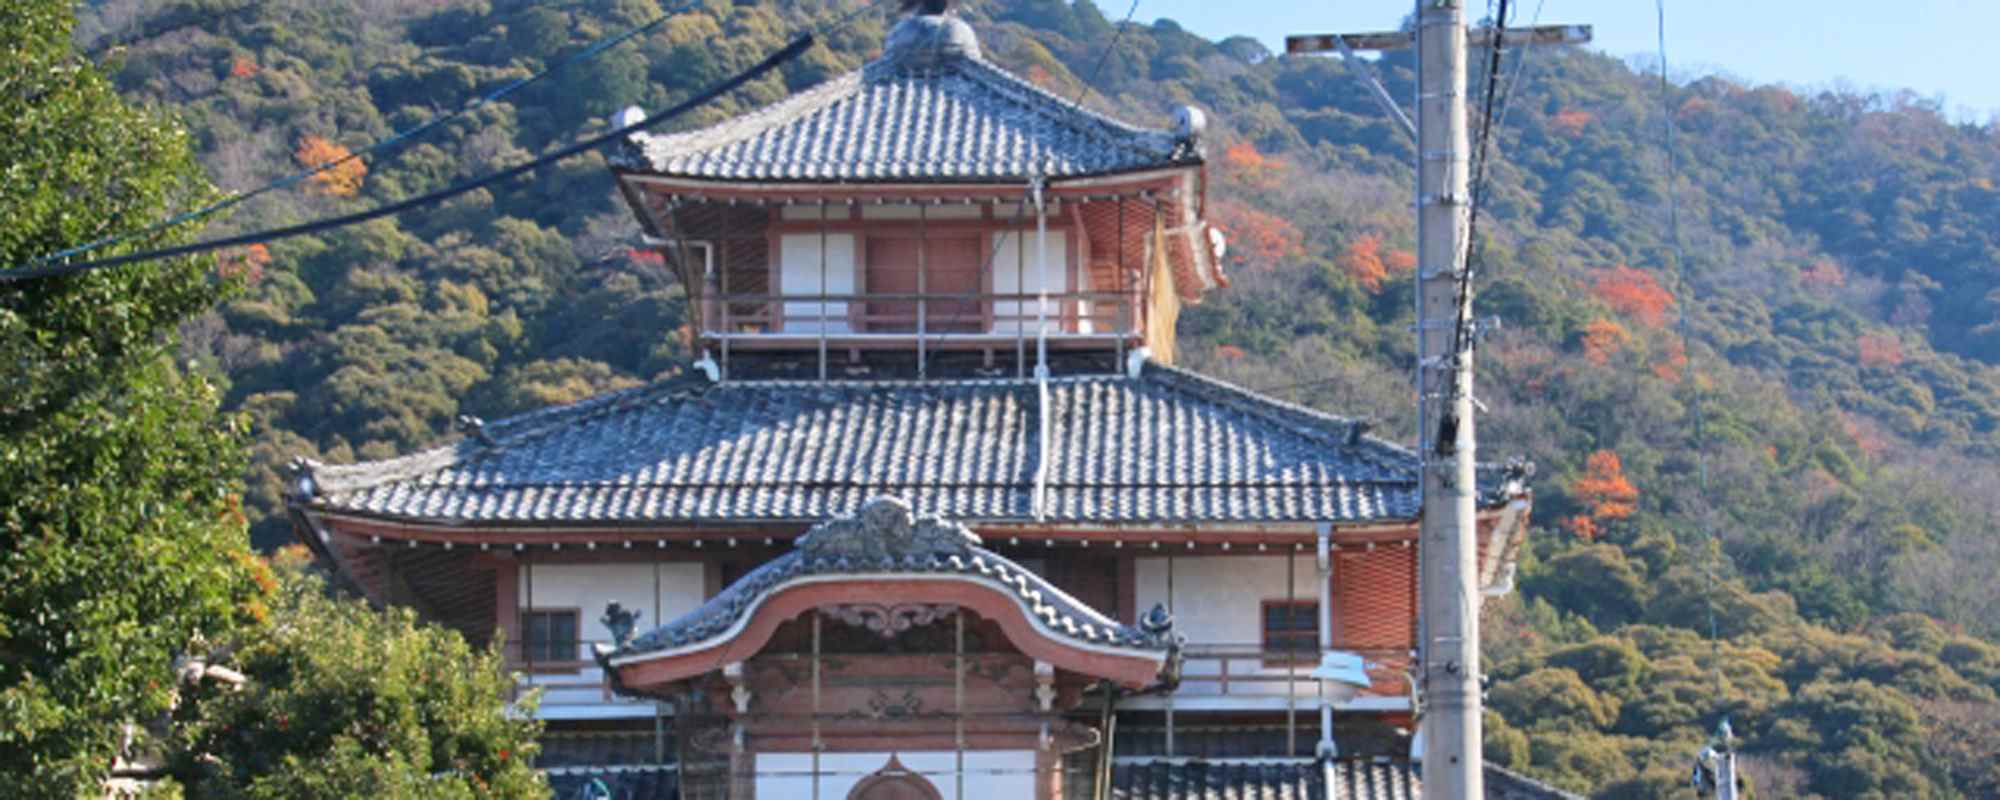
121, 544
343, 701
122, 540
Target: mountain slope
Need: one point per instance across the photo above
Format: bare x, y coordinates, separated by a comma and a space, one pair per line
1842, 283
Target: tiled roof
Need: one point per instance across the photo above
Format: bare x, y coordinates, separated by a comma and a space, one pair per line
883, 538
930, 109
1167, 446
1358, 736
1506, 784
1284, 779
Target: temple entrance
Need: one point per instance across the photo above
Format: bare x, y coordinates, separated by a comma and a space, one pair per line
894, 782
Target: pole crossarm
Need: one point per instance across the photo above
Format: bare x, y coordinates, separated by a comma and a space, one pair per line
1401, 40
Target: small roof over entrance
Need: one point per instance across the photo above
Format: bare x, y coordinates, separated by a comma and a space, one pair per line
901, 570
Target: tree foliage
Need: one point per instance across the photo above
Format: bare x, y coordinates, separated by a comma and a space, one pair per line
118, 516
123, 546
344, 701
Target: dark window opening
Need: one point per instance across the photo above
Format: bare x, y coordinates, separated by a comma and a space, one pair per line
549, 635
1291, 630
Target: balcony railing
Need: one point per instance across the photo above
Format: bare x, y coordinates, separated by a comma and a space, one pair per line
1251, 671
572, 688
1219, 674
921, 322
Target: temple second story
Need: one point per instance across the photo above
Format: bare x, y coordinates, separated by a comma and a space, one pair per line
934, 206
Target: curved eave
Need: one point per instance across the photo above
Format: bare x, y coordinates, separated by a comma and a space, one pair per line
1129, 666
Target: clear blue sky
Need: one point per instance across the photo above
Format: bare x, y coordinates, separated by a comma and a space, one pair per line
1936, 47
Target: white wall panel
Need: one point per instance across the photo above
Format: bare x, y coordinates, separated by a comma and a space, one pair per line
1016, 271
799, 255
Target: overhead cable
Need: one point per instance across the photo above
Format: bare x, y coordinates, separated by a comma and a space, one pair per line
394, 139
1116, 35
1681, 328
787, 53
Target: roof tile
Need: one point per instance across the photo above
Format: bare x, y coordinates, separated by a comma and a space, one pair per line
1166, 446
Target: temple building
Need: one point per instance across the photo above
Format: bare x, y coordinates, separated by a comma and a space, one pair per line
934, 515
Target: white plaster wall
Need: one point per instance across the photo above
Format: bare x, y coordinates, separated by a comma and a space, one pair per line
590, 587
988, 773
799, 257
1019, 272
1218, 603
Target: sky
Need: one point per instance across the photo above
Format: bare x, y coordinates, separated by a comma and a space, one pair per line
1939, 48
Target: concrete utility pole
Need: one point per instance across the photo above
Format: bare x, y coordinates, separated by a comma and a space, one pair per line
1453, 767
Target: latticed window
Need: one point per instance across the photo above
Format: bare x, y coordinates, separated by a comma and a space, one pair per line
549, 635
1291, 630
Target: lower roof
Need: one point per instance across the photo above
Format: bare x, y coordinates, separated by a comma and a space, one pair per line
1275, 779
1161, 445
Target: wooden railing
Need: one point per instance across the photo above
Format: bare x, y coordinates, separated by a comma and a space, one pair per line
578, 688
1251, 670
572, 688
909, 314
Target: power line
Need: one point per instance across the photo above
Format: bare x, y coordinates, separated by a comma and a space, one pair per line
1117, 35
774, 60
1461, 333
1681, 327
1520, 70
770, 62
589, 52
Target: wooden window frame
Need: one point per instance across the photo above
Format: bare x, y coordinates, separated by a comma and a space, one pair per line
527, 638
1277, 654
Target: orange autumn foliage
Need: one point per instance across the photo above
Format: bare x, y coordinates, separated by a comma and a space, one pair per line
1400, 261
1242, 162
1878, 349
1604, 487
246, 263
243, 67
340, 181
1604, 490
1364, 261
1571, 122
1634, 293
1602, 339
1230, 352
1255, 237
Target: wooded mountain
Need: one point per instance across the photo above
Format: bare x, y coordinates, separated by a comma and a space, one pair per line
1841, 289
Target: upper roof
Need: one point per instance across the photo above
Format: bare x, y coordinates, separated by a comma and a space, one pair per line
1164, 446
931, 109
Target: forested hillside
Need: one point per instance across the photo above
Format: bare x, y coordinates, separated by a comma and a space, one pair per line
1842, 300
